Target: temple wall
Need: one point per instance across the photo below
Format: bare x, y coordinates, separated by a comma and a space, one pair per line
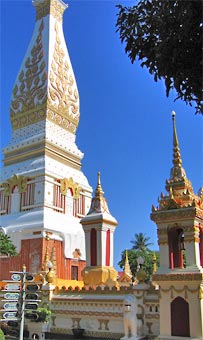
32, 255
100, 312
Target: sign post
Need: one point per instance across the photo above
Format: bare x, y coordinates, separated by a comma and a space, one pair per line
22, 304
21, 301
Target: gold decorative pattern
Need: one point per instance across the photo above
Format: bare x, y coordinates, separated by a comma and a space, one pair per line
178, 277
62, 91
68, 123
29, 96
200, 293
93, 291
52, 7
174, 215
19, 181
68, 183
95, 313
184, 290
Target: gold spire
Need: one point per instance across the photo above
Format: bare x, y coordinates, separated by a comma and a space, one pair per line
176, 150
180, 189
177, 171
127, 269
99, 192
98, 204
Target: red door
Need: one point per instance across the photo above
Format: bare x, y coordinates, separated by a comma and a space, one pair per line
180, 325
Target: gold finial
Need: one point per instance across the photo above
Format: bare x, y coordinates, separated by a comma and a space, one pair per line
171, 193
50, 274
99, 192
154, 262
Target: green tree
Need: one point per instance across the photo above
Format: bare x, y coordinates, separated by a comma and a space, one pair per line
2, 337
6, 245
147, 256
140, 242
44, 314
166, 36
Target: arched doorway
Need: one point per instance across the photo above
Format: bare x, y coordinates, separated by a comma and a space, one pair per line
180, 322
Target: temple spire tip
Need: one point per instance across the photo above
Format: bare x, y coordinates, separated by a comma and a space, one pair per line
99, 192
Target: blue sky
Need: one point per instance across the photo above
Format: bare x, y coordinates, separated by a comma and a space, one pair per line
125, 128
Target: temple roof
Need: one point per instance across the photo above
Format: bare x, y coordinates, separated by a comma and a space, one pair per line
99, 208
45, 88
179, 188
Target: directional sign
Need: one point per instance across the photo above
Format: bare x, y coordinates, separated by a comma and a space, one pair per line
11, 306
29, 277
12, 286
12, 323
31, 305
13, 332
32, 287
16, 277
11, 296
32, 316
31, 296
10, 315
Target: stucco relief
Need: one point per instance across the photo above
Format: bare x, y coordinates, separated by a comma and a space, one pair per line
35, 261
30, 89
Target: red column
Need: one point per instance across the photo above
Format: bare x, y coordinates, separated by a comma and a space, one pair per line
93, 247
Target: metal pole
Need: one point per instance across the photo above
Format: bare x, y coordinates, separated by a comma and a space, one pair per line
22, 303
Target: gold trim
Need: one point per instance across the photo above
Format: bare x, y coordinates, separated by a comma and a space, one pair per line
46, 149
24, 156
62, 90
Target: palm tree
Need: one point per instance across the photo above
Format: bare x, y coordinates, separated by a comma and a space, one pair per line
140, 242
